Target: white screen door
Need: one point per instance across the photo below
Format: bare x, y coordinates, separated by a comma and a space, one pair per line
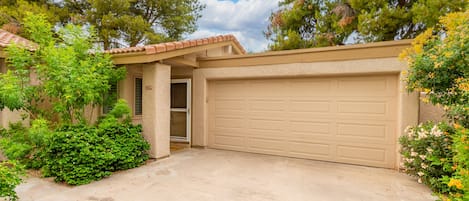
181, 110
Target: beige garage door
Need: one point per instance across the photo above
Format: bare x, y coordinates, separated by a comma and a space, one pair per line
340, 119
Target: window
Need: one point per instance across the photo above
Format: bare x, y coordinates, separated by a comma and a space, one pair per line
110, 98
138, 96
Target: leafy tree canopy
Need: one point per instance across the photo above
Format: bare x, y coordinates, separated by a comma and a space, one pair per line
118, 23
318, 23
70, 72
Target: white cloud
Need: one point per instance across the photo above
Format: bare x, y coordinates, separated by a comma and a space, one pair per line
246, 19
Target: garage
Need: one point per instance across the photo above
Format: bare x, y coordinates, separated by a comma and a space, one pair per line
346, 119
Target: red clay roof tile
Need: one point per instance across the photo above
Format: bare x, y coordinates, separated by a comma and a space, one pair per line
7, 38
171, 46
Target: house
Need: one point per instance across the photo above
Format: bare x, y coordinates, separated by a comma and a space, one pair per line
7, 38
344, 104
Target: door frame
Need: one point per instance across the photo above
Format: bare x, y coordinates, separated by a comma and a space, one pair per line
187, 110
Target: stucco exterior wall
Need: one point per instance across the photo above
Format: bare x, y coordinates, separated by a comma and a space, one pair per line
126, 88
429, 112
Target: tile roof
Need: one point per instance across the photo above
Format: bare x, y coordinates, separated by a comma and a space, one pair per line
171, 46
6, 38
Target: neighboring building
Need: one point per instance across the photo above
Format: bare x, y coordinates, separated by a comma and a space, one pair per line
7, 38
343, 104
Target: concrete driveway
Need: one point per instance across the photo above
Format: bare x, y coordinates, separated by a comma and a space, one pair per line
207, 175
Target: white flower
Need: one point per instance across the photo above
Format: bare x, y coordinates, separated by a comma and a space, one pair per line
413, 153
420, 174
430, 150
423, 157
424, 166
422, 134
436, 132
419, 180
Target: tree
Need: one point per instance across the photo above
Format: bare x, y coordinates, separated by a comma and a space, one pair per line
317, 23
118, 23
131, 22
13, 12
71, 72
308, 23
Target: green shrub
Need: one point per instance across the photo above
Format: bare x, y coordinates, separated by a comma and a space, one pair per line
128, 147
427, 154
81, 154
459, 182
10, 177
77, 155
23, 144
15, 142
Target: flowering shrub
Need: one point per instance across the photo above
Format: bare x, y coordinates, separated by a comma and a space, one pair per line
427, 155
439, 66
459, 182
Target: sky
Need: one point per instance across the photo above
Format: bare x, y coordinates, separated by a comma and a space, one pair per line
245, 19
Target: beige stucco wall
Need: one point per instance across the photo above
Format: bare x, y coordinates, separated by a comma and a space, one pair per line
407, 103
126, 88
429, 112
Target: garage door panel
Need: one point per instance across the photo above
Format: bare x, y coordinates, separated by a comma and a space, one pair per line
267, 124
366, 86
340, 119
229, 141
263, 145
268, 105
296, 105
310, 149
229, 122
266, 134
381, 156
309, 87
371, 133
307, 127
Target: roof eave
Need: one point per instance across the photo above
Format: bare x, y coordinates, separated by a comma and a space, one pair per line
145, 57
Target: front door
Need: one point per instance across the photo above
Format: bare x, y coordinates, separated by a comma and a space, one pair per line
181, 110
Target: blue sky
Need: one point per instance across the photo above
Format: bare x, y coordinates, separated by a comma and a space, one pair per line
246, 19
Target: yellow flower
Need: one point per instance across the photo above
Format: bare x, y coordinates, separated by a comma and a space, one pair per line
431, 75
456, 183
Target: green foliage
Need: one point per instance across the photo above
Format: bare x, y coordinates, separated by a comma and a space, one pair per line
121, 111
15, 142
427, 154
23, 144
10, 177
438, 65
137, 22
459, 182
308, 23
73, 74
77, 155
80, 154
12, 13
332, 22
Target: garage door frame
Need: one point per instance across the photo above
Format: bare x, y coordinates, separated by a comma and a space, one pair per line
407, 103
